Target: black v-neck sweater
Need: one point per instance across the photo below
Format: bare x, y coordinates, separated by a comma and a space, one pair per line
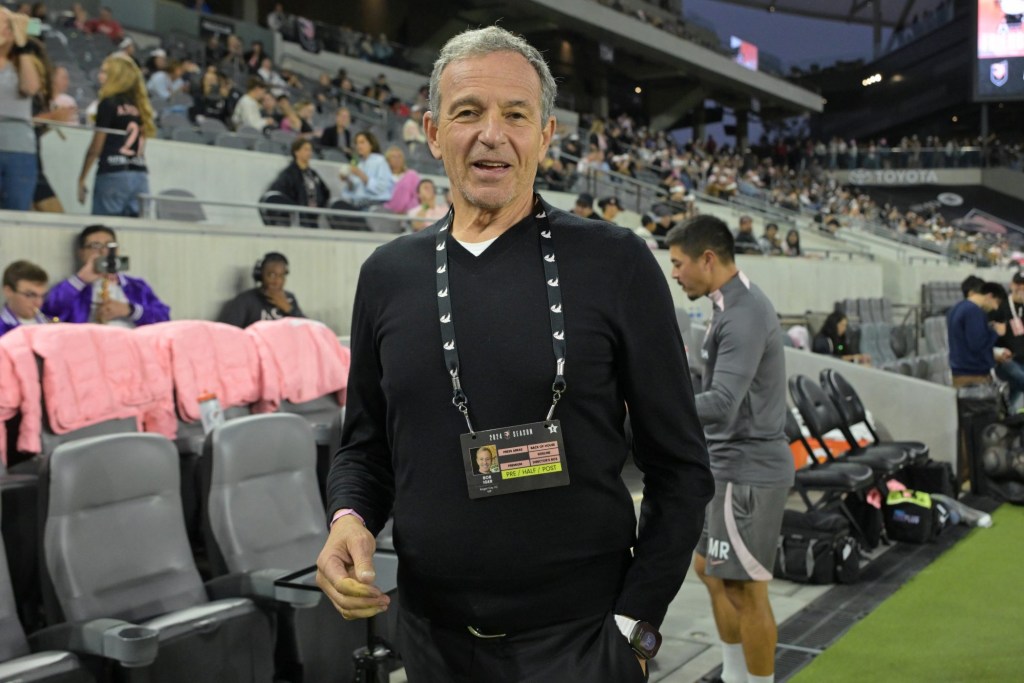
519, 561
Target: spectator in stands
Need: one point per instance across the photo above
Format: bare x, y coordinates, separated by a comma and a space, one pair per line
255, 56
277, 18
233, 62
122, 174
664, 221
106, 24
792, 245
209, 102
300, 183
404, 197
214, 51
368, 182
831, 340
44, 198
412, 130
325, 94
128, 47
247, 111
428, 210
610, 208
972, 338
339, 136
268, 300
746, 242
157, 61
298, 119
90, 296
166, 82
79, 17
19, 83
770, 243
24, 291
276, 83
382, 50
584, 206
59, 97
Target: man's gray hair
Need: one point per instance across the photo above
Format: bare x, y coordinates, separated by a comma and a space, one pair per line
482, 42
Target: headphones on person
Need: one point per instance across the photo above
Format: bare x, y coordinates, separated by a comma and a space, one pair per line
270, 256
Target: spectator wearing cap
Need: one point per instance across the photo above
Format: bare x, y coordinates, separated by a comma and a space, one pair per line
746, 241
610, 208
157, 61
584, 206
128, 48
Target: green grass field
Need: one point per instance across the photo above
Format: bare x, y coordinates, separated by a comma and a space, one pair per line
961, 619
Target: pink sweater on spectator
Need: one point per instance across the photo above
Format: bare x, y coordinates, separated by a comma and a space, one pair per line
301, 360
404, 196
202, 357
91, 373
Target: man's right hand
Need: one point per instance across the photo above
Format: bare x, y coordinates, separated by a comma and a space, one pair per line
1000, 328
87, 273
345, 570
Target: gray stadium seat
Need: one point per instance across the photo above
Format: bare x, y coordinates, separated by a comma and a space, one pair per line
115, 548
186, 212
184, 134
234, 141
285, 137
333, 154
172, 120
265, 513
211, 128
271, 146
17, 661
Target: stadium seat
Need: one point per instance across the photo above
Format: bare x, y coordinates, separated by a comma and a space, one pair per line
277, 218
270, 146
234, 141
115, 548
285, 137
172, 120
333, 154
821, 416
185, 134
17, 661
264, 513
853, 412
186, 212
357, 223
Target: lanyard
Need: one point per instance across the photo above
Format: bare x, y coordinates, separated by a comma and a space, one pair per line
444, 310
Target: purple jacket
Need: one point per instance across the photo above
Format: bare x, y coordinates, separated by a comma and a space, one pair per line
71, 301
8, 321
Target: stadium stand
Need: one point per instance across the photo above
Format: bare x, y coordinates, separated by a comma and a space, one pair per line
894, 267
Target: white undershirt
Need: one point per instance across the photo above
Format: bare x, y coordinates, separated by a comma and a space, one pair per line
477, 248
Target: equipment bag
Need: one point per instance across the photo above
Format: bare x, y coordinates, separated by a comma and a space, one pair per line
816, 547
911, 516
930, 477
870, 524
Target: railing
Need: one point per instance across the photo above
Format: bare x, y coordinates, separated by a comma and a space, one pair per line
295, 215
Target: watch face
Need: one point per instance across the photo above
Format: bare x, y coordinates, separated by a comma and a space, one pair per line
648, 641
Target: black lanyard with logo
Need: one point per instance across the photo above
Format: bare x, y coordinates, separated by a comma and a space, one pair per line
519, 457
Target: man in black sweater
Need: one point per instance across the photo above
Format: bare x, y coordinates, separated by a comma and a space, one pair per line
538, 572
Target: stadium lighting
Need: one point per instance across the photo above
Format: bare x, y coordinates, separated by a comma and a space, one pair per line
871, 80
638, 90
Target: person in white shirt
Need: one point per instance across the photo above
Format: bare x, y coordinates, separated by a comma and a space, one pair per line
247, 111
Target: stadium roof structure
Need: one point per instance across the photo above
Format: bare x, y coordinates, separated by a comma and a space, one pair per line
878, 13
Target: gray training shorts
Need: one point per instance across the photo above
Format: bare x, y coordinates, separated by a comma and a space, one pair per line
741, 531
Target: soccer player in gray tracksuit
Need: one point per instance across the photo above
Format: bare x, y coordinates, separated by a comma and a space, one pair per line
742, 407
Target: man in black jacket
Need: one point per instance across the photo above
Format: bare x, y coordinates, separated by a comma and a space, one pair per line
301, 184
339, 136
538, 571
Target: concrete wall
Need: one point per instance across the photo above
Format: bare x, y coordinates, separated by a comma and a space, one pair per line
911, 409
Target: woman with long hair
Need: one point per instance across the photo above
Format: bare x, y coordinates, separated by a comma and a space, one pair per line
123, 106
19, 83
831, 340
368, 182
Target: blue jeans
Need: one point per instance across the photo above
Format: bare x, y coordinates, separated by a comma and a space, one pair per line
1012, 373
18, 173
117, 194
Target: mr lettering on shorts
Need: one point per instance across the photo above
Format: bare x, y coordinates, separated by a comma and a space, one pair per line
718, 551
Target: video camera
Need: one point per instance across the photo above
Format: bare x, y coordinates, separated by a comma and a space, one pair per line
111, 263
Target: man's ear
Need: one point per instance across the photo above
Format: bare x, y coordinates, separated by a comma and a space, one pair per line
430, 129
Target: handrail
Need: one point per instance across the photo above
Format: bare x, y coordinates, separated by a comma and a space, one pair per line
149, 203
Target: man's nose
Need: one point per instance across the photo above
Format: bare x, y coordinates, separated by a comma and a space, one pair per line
493, 131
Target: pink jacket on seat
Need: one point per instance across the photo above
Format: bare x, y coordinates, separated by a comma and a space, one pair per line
91, 373
10, 398
301, 360
202, 357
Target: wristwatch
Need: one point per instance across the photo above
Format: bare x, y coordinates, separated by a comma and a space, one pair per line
643, 638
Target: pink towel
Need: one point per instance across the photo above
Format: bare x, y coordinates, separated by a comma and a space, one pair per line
10, 398
301, 360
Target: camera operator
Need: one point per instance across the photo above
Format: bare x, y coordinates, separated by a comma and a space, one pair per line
100, 292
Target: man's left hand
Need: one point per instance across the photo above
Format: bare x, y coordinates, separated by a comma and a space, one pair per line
112, 310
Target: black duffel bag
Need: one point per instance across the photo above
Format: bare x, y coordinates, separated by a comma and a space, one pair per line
816, 547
